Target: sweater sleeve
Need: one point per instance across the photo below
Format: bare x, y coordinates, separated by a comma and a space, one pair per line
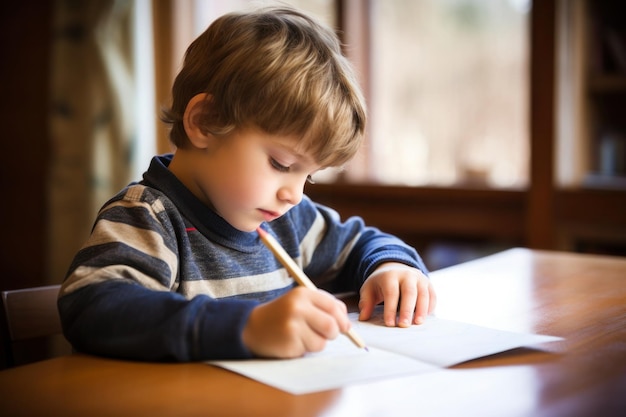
347, 251
126, 320
119, 296
374, 248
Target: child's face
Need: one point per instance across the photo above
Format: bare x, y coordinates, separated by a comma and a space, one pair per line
249, 176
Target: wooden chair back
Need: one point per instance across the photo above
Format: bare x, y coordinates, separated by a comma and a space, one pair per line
31, 325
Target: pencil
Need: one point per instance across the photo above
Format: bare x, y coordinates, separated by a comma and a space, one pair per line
299, 275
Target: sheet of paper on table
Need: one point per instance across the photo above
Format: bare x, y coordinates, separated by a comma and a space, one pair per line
431, 346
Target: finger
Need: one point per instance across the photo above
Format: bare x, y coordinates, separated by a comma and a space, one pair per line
330, 308
367, 303
323, 325
311, 338
309, 322
408, 298
433, 298
391, 296
326, 301
423, 300
366, 308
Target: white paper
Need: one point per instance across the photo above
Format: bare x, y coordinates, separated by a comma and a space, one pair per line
443, 342
435, 344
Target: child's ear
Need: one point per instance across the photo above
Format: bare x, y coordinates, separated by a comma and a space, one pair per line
196, 112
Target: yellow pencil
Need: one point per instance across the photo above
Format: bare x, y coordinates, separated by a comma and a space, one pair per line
299, 275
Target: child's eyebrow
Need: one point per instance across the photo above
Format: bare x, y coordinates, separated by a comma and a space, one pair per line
297, 150
294, 152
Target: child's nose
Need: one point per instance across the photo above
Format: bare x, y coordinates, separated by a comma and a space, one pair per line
291, 192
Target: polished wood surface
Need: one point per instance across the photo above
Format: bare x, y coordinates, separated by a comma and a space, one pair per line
579, 297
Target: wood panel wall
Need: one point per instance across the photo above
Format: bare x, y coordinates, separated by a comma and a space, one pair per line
25, 31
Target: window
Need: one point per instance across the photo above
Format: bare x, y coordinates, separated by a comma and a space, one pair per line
449, 83
202, 12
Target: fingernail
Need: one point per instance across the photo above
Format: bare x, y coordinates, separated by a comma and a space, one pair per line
420, 320
404, 323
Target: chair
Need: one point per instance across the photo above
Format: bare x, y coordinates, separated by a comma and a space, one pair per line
31, 329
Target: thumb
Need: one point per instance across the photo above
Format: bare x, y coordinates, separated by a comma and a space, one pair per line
367, 302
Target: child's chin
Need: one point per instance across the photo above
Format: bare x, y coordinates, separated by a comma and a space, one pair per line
248, 228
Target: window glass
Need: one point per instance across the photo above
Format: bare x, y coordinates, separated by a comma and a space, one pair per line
449, 92
204, 12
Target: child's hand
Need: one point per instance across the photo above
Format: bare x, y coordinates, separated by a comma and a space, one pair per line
298, 322
392, 282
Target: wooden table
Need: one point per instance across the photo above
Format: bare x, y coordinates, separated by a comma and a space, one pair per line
579, 297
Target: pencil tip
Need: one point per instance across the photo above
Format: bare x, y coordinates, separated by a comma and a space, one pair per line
366, 348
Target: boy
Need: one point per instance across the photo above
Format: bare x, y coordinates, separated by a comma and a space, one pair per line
174, 269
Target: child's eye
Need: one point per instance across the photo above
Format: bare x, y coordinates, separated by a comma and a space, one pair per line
278, 166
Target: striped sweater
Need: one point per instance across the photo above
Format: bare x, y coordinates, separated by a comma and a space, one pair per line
162, 277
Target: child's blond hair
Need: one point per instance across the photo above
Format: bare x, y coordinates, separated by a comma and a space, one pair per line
276, 69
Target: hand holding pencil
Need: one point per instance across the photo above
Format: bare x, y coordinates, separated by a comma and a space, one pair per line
298, 322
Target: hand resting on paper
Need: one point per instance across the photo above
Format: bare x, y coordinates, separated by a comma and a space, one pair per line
300, 321
397, 285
